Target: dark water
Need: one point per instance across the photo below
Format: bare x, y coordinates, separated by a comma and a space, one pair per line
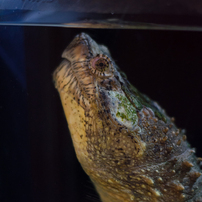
37, 159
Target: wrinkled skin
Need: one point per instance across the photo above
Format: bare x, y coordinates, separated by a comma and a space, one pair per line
129, 147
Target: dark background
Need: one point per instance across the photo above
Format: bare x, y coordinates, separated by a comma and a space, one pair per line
37, 159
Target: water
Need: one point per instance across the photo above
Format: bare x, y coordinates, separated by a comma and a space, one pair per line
110, 20
38, 162
162, 15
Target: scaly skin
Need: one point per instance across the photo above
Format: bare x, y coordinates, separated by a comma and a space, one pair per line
125, 142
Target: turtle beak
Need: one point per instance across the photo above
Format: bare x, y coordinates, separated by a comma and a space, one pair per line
78, 49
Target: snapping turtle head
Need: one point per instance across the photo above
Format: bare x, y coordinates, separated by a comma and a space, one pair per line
91, 78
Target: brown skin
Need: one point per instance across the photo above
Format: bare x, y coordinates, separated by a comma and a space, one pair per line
129, 147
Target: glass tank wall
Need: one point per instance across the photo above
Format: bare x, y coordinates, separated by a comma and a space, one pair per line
127, 14
38, 162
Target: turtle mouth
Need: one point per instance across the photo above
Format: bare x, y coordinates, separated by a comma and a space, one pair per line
76, 81
73, 75
80, 49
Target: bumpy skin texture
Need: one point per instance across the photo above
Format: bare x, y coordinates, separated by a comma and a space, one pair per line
125, 142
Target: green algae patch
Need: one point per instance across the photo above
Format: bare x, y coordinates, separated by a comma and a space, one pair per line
125, 110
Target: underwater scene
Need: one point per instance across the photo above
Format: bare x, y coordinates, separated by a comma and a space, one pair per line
38, 160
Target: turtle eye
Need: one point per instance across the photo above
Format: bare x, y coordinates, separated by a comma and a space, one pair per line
100, 65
